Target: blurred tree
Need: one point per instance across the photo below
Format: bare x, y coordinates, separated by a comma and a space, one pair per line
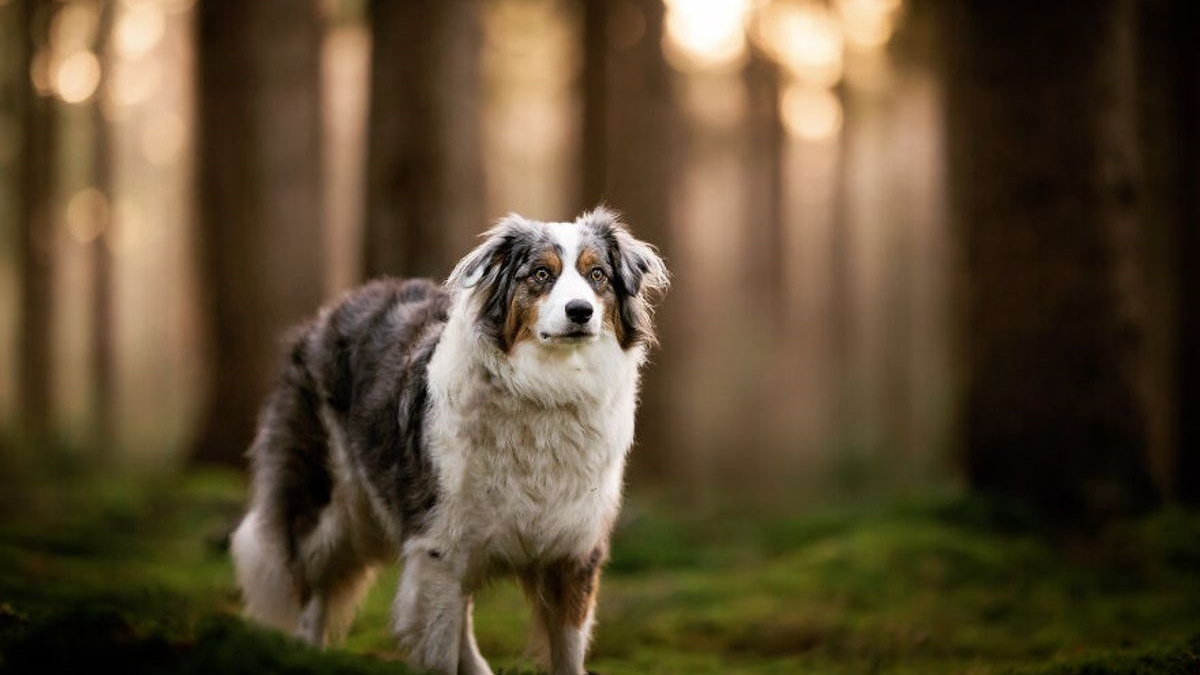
425, 189
259, 197
762, 146
765, 143
37, 216
627, 153
1167, 82
1180, 28
1043, 151
103, 375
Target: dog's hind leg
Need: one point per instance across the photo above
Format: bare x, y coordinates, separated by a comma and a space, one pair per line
263, 576
336, 575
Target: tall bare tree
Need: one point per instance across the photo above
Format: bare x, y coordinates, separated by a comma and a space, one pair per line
627, 150
1044, 160
36, 220
259, 197
425, 189
103, 347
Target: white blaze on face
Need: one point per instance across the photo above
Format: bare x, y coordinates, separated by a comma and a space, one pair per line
570, 287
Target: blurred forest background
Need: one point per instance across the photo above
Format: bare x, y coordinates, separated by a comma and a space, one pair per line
915, 243
928, 397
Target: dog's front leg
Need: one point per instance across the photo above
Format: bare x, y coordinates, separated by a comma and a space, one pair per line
564, 599
430, 611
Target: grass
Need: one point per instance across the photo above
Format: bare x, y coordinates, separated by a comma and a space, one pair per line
133, 572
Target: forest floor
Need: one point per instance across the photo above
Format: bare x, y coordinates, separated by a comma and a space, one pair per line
134, 573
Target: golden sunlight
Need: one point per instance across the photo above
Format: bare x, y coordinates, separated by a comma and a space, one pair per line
868, 24
77, 76
706, 35
806, 38
87, 215
810, 113
139, 29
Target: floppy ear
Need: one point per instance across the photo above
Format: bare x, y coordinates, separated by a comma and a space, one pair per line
484, 262
640, 276
489, 271
639, 267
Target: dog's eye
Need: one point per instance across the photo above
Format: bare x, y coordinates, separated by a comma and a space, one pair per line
541, 275
598, 275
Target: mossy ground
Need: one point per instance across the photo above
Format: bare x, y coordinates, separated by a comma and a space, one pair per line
134, 572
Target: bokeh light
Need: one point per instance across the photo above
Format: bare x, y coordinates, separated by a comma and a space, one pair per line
706, 35
868, 24
810, 113
806, 38
87, 215
77, 76
139, 29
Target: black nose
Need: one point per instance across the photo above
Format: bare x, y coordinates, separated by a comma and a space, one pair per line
579, 311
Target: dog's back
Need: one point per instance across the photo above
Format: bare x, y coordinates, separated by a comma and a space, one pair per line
355, 361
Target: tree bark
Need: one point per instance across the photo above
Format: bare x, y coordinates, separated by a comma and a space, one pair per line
425, 188
1186, 59
627, 151
1043, 157
260, 200
36, 220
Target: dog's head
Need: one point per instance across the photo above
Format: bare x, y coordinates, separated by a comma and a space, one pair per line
563, 284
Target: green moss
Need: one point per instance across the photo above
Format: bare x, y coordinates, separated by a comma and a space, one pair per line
134, 570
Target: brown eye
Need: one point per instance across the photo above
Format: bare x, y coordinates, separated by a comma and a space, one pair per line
541, 274
598, 275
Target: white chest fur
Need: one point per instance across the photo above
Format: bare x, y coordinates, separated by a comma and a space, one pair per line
530, 447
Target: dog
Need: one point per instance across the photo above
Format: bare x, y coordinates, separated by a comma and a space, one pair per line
469, 429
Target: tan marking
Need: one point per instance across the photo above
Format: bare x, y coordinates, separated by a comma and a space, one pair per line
567, 589
587, 259
548, 258
521, 318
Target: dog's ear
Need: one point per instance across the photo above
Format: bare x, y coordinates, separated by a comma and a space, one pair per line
489, 271
638, 268
640, 276
483, 264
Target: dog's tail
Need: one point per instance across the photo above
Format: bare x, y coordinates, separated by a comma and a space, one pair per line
267, 584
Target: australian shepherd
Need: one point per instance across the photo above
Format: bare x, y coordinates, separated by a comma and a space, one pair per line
468, 429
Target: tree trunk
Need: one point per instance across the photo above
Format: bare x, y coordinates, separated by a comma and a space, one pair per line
103, 375
1186, 58
425, 189
597, 18
1043, 154
626, 159
765, 142
35, 233
260, 200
